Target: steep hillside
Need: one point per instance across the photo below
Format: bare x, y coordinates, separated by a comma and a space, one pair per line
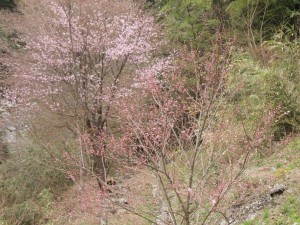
161, 112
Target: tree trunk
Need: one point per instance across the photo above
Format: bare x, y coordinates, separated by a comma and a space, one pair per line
100, 170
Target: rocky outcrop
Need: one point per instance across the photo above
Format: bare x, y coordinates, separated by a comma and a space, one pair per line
247, 211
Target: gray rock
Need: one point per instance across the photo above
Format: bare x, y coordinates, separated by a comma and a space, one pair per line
251, 216
277, 190
103, 221
244, 212
123, 201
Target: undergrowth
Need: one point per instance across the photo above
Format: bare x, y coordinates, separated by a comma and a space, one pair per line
28, 188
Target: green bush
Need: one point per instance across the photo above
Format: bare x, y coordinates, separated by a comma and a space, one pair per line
257, 87
192, 22
284, 85
246, 92
28, 188
27, 213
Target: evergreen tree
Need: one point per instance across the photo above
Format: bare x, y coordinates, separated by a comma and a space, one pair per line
7, 4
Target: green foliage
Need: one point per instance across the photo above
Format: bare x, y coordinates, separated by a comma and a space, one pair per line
195, 22
284, 85
185, 15
295, 145
10, 39
191, 22
246, 91
28, 188
7, 4
275, 85
261, 17
27, 212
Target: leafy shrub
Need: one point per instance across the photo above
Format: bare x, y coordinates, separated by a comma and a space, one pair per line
283, 88
275, 85
247, 88
192, 22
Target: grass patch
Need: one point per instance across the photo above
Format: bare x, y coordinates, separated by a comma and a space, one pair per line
27, 189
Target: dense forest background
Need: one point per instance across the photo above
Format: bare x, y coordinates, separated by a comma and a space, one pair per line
149, 112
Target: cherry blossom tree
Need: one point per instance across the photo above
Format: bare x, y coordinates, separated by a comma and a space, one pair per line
178, 126
80, 58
